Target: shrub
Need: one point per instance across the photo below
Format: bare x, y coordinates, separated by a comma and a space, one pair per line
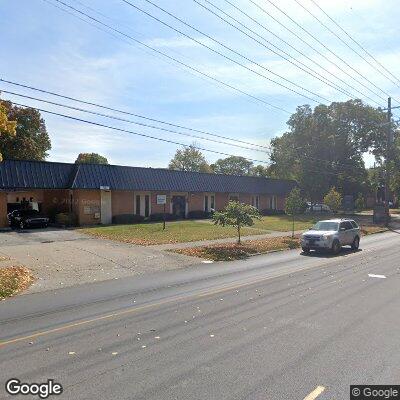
199, 214
160, 217
127, 219
269, 211
333, 199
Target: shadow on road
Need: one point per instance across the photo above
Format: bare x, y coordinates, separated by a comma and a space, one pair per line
327, 254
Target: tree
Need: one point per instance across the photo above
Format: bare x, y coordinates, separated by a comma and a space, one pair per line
294, 205
189, 159
324, 147
360, 203
333, 199
237, 215
233, 165
90, 158
6, 127
260, 170
31, 140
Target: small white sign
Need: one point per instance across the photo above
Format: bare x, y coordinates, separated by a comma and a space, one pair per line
104, 187
161, 199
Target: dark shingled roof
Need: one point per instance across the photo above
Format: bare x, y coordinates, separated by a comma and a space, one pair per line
49, 175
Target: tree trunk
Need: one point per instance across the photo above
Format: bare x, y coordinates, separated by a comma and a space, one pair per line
238, 229
293, 226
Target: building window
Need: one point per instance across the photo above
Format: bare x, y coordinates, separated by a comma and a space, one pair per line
255, 201
137, 205
209, 202
233, 197
272, 202
146, 205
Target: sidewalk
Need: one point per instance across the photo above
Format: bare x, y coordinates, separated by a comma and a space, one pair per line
175, 246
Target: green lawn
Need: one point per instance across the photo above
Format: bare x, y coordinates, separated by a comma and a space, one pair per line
176, 232
283, 223
189, 231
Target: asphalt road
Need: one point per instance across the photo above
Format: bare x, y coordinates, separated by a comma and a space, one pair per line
270, 327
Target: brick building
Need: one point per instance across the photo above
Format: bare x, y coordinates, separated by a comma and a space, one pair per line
97, 193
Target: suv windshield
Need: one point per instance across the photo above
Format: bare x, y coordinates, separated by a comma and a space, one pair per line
325, 226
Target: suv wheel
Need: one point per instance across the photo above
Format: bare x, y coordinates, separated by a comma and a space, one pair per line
305, 250
336, 247
356, 243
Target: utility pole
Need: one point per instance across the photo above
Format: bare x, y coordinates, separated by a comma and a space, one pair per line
388, 147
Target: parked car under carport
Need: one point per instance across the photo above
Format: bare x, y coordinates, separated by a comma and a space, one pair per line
27, 218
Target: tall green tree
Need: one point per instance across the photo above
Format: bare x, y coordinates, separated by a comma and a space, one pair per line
323, 147
189, 159
31, 140
237, 215
91, 158
294, 205
261, 171
233, 165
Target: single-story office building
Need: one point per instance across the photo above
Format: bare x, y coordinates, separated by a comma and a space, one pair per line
96, 193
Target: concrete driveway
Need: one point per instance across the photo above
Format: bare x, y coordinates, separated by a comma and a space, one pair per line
60, 257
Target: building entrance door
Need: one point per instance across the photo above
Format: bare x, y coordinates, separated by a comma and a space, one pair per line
106, 213
179, 206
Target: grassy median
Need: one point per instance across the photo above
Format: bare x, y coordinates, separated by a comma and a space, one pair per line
13, 280
234, 251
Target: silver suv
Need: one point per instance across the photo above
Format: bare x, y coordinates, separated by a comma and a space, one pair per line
331, 235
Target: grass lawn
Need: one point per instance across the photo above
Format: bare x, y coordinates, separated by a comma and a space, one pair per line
189, 231
176, 232
13, 280
283, 223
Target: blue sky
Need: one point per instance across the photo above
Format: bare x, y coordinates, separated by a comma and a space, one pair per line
44, 47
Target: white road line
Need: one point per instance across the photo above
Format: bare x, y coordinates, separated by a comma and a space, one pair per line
315, 393
377, 276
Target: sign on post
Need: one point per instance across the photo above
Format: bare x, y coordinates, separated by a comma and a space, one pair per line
162, 199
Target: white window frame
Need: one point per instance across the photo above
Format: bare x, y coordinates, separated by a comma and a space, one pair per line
142, 202
207, 196
272, 202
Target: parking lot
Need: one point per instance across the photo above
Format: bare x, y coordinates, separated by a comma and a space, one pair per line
59, 257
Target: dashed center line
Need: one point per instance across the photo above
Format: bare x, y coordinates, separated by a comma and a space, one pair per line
315, 393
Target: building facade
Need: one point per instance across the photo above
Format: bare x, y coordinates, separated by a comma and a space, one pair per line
97, 194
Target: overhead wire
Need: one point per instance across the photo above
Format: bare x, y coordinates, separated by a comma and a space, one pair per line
228, 48
169, 57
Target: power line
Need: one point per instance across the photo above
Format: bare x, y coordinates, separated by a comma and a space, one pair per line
130, 113
228, 48
309, 45
154, 137
181, 63
135, 133
356, 42
328, 49
337, 36
326, 71
267, 149
307, 70
130, 121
